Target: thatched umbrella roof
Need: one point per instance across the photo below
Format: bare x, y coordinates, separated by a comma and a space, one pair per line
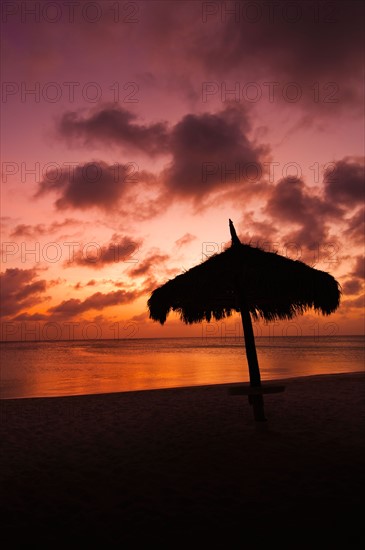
253, 282
274, 287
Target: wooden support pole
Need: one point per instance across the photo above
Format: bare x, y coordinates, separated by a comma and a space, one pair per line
256, 400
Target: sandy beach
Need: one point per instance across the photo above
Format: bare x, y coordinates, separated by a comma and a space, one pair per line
170, 466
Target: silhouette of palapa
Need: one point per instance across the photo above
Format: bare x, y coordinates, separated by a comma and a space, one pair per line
253, 282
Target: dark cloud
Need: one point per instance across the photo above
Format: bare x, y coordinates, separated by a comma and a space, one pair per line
98, 301
205, 150
40, 229
143, 205
119, 249
98, 282
31, 317
301, 42
344, 182
355, 230
20, 289
110, 188
149, 264
359, 267
150, 284
212, 152
291, 202
55, 282
185, 239
24, 230
140, 318
258, 233
112, 125
117, 284
80, 285
352, 286
358, 302
93, 184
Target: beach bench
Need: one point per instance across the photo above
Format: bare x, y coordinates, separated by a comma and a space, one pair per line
255, 396
249, 390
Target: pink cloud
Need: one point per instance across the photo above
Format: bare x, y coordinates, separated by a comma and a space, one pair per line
20, 289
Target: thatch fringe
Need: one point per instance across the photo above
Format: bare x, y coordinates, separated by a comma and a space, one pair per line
271, 287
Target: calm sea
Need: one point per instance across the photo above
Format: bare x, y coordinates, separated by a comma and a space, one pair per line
98, 366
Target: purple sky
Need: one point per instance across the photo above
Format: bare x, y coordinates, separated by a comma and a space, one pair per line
132, 131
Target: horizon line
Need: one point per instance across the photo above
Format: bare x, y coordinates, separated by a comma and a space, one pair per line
179, 337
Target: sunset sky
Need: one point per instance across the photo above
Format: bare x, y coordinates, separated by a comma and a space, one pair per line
132, 132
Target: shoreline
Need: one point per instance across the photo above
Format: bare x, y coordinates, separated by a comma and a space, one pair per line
268, 381
186, 463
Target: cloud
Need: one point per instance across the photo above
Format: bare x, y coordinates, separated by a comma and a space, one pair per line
149, 264
208, 151
89, 185
34, 231
119, 249
358, 302
260, 233
31, 317
80, 285
40, 229
359, 267
140, 318
292, 202
97, 282
351, 286
355, 230
185, 239
112, 125
344, 182
212, 152
300, 42
150, 284
20, 289
98, 301
111, 188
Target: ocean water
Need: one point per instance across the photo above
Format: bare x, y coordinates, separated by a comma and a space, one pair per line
39, 369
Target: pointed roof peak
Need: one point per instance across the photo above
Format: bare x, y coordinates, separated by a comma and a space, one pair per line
235, 239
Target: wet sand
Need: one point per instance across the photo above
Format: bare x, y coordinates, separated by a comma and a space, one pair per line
179, 466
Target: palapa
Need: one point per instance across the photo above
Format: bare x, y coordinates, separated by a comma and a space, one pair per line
249, 280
